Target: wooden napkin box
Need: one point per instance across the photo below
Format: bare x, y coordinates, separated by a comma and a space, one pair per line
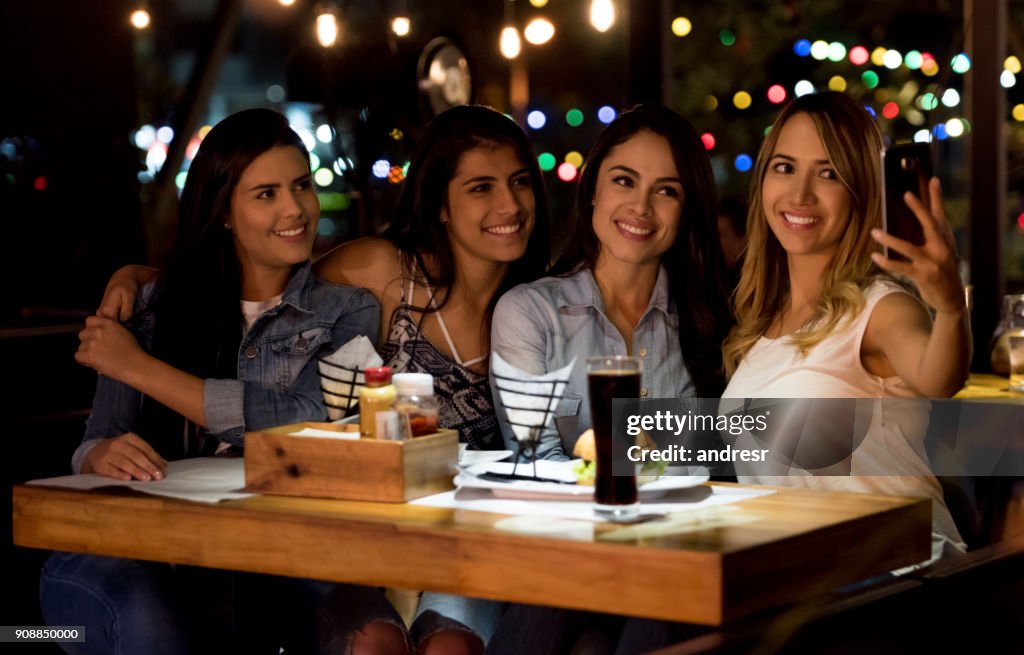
276, 462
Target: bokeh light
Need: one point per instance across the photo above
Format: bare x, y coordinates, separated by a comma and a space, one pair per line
802, 48
802, 88
681, 26
743, 163
381, 168
575, 158
536, 119
401, 25
727, 37
859, 55
776, 94
913, 60
819, 50
870, 79
606, 114
140, 19
539, 31
1012, 64
566, 172
708, 139
741, 100
574, 117
546, 161
961, 63
323, 177
892, 59
837, 83
836, 51
891, 110
165, 134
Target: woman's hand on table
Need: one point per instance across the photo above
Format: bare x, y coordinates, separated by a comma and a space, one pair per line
127, 457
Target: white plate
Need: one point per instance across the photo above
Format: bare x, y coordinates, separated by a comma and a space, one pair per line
475, 457
526, 489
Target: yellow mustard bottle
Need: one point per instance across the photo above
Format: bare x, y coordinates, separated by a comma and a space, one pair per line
378, 395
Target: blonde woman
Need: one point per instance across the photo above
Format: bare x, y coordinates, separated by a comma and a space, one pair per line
819, 314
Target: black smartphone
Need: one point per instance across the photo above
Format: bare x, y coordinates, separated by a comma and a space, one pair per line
906, 167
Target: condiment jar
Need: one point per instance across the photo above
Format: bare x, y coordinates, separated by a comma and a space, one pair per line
416, 404
378, 395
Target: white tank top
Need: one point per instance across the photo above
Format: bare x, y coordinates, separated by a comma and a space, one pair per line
894, 432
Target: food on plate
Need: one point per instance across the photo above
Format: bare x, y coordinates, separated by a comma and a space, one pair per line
585, 468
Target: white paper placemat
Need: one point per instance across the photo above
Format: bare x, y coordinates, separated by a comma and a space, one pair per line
682, 500
202, 480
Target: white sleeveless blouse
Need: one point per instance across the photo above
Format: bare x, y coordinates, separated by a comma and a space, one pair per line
891, 457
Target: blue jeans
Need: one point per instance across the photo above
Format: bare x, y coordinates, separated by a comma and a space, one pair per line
129, 607
437, 612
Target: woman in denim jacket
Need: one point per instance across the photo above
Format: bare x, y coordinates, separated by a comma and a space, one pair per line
226, 341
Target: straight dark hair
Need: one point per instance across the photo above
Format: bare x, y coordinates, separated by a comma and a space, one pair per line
196, 308
417, 228
694, 262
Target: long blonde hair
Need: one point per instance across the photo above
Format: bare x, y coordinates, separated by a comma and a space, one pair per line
854, 146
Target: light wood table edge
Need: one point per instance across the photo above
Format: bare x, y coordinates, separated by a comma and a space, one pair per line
686, 585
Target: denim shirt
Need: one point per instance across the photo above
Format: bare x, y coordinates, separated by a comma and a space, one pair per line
278, 380
541, 326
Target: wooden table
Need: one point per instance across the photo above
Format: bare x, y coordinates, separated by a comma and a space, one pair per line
985, 386
730, 562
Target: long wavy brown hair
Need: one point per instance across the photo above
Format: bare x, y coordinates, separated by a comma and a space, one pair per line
854, 146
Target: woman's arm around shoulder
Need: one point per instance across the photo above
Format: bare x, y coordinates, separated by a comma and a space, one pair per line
121, 291
370, 262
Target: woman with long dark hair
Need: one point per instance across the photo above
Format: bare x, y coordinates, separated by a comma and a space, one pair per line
224, 341
643, 273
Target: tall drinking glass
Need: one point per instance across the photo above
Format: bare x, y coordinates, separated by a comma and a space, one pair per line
611, 377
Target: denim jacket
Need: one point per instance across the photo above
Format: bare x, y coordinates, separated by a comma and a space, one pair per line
278, 381
541, 326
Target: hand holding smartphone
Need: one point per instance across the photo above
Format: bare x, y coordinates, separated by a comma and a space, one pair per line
906, 167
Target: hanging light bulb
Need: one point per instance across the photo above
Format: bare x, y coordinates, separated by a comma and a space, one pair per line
602, 14
327, 25
539, 31
510, 43
140, 19
401, 25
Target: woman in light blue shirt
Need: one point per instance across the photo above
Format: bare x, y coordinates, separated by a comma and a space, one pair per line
643, 274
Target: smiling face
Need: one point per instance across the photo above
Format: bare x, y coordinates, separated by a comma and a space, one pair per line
638, 201
274, 212
805, 203
490, 205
